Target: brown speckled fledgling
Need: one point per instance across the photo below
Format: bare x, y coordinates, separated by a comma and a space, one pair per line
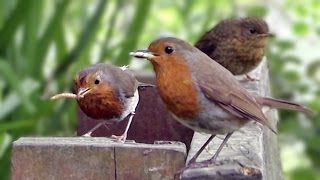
237, 44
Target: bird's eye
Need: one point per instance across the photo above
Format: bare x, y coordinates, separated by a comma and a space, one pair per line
253, 31
97, 81
168, 49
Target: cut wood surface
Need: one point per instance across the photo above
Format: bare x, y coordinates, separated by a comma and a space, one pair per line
94, 158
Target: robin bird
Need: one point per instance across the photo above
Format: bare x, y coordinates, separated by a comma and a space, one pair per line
237, 44
107, 93
203, 95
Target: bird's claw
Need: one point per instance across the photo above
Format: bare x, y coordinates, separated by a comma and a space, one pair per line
121, 138
202, 164
87, 134
250, 78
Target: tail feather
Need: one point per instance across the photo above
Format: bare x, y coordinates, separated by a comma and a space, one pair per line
282, 104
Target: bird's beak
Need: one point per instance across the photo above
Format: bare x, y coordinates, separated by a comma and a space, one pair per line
143, 54
82, 92
267, 35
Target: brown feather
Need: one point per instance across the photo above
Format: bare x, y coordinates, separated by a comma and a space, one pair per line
238, 104
282, 104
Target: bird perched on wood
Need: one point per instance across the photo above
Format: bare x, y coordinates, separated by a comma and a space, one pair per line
203, 95
107, 93
237, 44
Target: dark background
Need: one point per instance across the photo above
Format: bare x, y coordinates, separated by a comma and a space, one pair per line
44, 43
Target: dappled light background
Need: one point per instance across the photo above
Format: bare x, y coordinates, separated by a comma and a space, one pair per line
44, 43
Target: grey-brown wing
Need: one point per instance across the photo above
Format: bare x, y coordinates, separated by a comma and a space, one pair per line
207, 43
236, 102
124, 80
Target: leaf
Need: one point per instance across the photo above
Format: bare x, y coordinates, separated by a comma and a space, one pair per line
134, 31
51, 31
13, 100
285, 44
5, 142
11, 25
300, 28
303, 173
292, 76
85, 40
11, 76
257, 11
109, 33
61, 43
313, 68
292, 59
315, 104
16, 125
33, 16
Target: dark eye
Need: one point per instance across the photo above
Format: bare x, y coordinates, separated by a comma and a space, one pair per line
253, 31
168, 49
97, 81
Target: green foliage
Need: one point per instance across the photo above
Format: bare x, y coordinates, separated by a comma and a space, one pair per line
44, 43
257, 11
300, 28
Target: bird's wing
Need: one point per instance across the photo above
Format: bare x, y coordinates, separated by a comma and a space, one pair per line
123, 79
207, 43
236, 101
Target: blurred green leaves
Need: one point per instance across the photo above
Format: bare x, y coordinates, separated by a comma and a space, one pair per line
5, 141
134, 31
301, 28
11, 25
21, 95
53, 31
85, 40
44, 43
11, 77
313, 70
260, 11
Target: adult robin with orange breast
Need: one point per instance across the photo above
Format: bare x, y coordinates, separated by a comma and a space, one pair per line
107, 93
202, 94
237, 44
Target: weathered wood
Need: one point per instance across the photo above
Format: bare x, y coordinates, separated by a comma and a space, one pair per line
253, 147
94, 158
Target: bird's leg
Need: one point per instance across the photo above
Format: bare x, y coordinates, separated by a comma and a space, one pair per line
209, 161
88, 134
122, 138
215, 156
194, 158
192, 161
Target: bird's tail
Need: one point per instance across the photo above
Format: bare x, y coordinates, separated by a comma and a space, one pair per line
282, 104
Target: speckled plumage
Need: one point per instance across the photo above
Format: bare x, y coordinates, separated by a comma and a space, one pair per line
237, 44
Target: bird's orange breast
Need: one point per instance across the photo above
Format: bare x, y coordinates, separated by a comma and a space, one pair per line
102, 103
176, 88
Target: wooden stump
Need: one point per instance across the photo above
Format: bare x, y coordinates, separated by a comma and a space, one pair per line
94, 158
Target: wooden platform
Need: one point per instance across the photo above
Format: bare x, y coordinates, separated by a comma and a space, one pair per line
94, 158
